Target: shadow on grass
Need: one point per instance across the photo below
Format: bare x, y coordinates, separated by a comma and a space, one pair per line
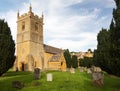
7, 79
14, 73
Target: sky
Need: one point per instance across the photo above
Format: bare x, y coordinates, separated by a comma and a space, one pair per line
68, 24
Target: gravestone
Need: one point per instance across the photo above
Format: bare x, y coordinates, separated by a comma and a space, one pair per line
81, 69
49, 77
85, 69
36, 73
96, 69
17, 84
72, 70
98, 78
89, 71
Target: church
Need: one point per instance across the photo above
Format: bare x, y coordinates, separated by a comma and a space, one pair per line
31, 52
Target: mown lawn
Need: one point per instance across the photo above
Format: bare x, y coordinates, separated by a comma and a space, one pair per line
62, 81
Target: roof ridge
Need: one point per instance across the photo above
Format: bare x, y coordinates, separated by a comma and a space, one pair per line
51, 49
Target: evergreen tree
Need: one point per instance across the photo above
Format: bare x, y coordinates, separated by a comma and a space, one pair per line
7, 48
67, 58
86, 62
74, 61
89, 50
107, 55
115, 40
101, 55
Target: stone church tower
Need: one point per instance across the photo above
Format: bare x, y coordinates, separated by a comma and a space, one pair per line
30, 52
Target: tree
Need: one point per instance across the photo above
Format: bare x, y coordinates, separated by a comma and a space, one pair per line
7, 48
89, 50
67, 58
107, 55
74, 61
101, 55
115, 40
86, 62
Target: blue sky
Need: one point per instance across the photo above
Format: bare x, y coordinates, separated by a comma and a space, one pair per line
72, 24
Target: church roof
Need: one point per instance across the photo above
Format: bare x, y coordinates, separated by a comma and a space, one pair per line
53, 50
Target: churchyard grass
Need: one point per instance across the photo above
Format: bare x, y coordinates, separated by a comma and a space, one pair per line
62, 81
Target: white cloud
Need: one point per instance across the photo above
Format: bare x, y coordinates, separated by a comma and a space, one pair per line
79, 45
63, 28
10, 17
104, 4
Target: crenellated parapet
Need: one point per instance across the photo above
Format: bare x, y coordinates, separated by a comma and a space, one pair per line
31, 15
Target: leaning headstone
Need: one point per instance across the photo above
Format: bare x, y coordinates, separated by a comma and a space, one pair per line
72, 70
98, 78
17, 84
36, 73
49, 77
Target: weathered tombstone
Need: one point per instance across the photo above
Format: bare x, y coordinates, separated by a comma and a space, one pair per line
17, 84
85, 69
72, 70
98, 78
81, 69
49, 77
96, 69
36, 73
89, 71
